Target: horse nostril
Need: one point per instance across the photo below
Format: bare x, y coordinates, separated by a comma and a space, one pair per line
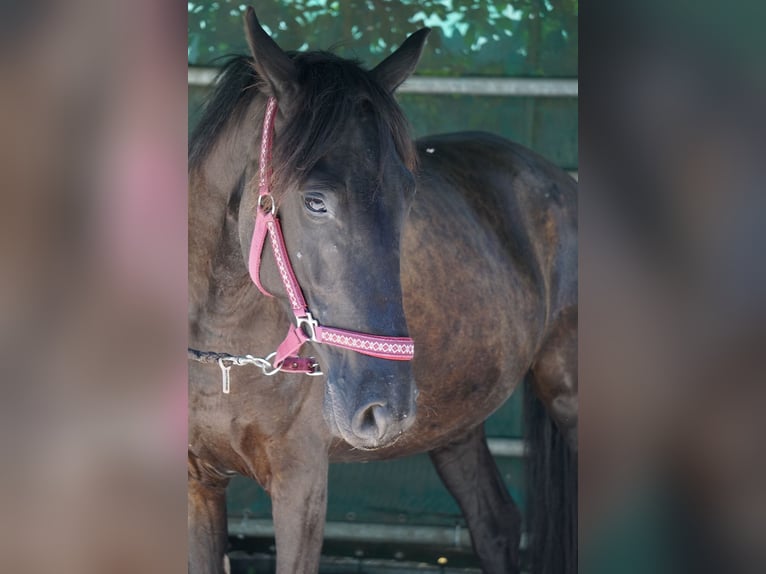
371, 422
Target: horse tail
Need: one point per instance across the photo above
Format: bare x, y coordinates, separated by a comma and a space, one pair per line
551, 499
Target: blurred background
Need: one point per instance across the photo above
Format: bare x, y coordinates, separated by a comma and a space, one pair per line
93, 135
507, 68
672, 309
93, 289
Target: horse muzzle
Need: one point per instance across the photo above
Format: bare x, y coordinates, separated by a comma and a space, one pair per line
372, 414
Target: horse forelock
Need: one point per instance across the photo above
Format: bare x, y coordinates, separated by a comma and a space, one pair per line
331, 91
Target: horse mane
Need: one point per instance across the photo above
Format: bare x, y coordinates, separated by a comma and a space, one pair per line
229, 99
331, 90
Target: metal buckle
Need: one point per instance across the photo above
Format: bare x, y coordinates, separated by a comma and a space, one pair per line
315, 370
311, 324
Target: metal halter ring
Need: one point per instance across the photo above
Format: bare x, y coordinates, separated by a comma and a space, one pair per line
272, 206
269, 364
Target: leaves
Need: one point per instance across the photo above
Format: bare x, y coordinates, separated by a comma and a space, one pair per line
470, 38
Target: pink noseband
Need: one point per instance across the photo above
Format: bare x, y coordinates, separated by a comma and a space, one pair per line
306, 327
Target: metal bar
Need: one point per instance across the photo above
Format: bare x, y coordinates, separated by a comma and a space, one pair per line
363, 532
455, 537
529, 87
507, 447
201, 76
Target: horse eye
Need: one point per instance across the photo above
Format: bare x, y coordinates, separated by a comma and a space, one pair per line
314, 204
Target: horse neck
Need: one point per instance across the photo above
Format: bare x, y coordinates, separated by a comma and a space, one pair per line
218, 275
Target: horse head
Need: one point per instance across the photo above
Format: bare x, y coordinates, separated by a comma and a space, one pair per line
342, 183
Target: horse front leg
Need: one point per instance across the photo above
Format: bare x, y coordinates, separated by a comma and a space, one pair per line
206, 516
469, 472
299, 504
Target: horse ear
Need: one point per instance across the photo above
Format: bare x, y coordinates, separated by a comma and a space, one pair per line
392, 71
272, 64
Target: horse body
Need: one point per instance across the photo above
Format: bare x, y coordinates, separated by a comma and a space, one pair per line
483, 255
479, 301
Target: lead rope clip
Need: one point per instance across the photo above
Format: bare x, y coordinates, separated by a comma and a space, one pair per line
225, 377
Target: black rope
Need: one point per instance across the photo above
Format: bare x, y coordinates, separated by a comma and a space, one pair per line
207, 356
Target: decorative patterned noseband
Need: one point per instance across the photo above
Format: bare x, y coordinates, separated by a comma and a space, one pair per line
306, 327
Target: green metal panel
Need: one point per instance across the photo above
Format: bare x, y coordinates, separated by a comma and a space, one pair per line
404, 491
545, 125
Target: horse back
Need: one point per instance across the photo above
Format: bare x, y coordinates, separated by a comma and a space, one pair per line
527, 204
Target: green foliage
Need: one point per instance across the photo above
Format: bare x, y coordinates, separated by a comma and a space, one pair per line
470, 38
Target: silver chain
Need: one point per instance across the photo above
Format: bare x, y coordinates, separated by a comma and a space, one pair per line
226, 362
262, 363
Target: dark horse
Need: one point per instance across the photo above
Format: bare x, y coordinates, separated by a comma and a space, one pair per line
466, 242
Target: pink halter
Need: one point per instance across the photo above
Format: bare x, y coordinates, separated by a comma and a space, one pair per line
306, 328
